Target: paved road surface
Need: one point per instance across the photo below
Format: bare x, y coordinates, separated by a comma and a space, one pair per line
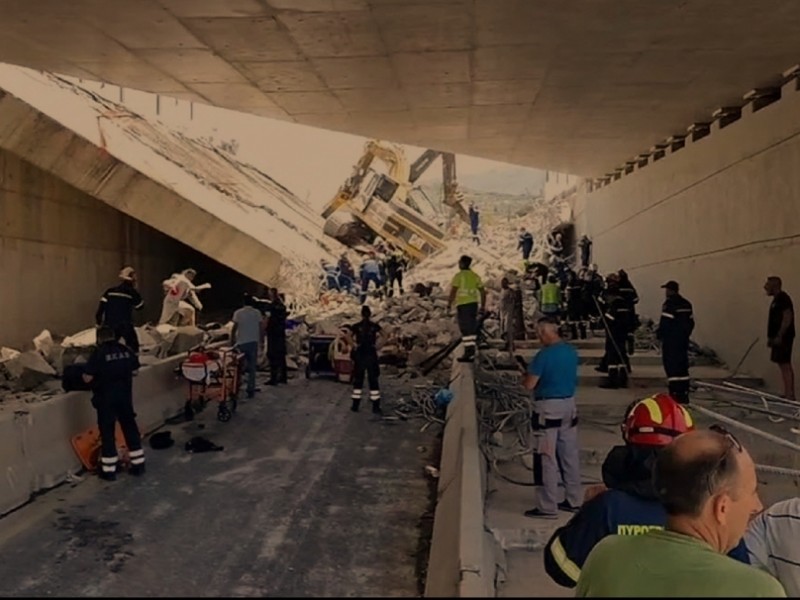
307, 499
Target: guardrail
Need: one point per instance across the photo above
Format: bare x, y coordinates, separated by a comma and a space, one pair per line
461, 562
35, 449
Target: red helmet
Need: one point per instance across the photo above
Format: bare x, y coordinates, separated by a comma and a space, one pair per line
655, 421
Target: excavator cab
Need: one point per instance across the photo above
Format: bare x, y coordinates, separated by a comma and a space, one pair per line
371, 204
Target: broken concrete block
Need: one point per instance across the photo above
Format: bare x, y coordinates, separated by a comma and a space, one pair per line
26, 371
185, 338
87, 337
44, 343
8, 353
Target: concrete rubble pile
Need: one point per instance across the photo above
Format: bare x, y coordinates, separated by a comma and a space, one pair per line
416, 326
35, 374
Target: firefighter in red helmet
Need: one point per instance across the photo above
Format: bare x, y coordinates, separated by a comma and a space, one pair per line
626, 503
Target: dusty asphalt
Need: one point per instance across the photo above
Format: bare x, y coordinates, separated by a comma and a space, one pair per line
306, 499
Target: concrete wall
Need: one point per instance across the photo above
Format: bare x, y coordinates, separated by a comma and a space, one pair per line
462, 558
718, 216
35, 439
60, 248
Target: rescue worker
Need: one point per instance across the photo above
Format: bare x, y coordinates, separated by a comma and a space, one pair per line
474, 223
276, 338
469, 296
551, 298
109, 371
365, 360
617, 318
525, 243
575, 309
626, 502
178, 289
370, 272
592, 292
674, 329
396, 264
585, 245
346, 273
628, 293
248, 335
116, 308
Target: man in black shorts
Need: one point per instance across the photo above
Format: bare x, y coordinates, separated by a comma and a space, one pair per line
780, 332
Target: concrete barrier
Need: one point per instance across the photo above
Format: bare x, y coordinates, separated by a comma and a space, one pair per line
35, 449
462, 559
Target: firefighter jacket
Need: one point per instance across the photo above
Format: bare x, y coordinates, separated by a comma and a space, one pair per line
630, 509
677, 320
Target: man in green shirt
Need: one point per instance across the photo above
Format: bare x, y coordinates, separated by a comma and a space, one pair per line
469, 296
707, 483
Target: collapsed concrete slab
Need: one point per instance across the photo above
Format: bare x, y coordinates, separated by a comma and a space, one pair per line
194, 193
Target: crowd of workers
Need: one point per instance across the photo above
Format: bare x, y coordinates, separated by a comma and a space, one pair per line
674, 501
382, 268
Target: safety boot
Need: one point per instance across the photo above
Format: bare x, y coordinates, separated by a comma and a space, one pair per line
468, 356
356, 403
582, 328
622, 378
612, 381
137, 470
573, 331
376, 408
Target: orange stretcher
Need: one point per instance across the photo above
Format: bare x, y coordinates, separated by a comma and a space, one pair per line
87, 447
213, 375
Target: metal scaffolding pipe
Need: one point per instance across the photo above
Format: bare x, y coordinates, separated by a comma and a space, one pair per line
778, 470
742, 390
735, 423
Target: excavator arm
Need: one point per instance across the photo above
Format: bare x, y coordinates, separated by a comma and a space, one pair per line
452, 195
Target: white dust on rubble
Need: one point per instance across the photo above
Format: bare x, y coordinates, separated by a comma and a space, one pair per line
35, 375
497, 253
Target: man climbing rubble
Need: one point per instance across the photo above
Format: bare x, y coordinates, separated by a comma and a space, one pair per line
116, 308
469, 296
674, 330
178, 289
525, 243
396, 265
626, 503
370, 273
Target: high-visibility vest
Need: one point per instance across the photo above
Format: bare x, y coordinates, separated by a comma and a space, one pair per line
469, 286
551, 293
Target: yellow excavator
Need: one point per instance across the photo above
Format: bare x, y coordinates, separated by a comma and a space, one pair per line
371, 204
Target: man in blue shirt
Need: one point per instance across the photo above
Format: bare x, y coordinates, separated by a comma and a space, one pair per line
552, 376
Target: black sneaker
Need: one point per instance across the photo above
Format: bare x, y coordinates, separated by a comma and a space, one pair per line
137, 470
567, 507
536, 513
105, 476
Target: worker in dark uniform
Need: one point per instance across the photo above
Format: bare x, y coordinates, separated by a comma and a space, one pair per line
674, 329
626, 503
617, 317
585, 245
396, 264
116, 308
592, 293
276, 338
628, 293
575, 310
109, 371
525, 243
365, 358
469, 296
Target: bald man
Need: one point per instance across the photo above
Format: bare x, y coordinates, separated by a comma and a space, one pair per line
707, 483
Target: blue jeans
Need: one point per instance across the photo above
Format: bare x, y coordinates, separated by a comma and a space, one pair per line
250, 351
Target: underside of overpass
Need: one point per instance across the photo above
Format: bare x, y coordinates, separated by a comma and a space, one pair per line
571, 85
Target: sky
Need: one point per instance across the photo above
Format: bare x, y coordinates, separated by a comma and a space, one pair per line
311, 162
